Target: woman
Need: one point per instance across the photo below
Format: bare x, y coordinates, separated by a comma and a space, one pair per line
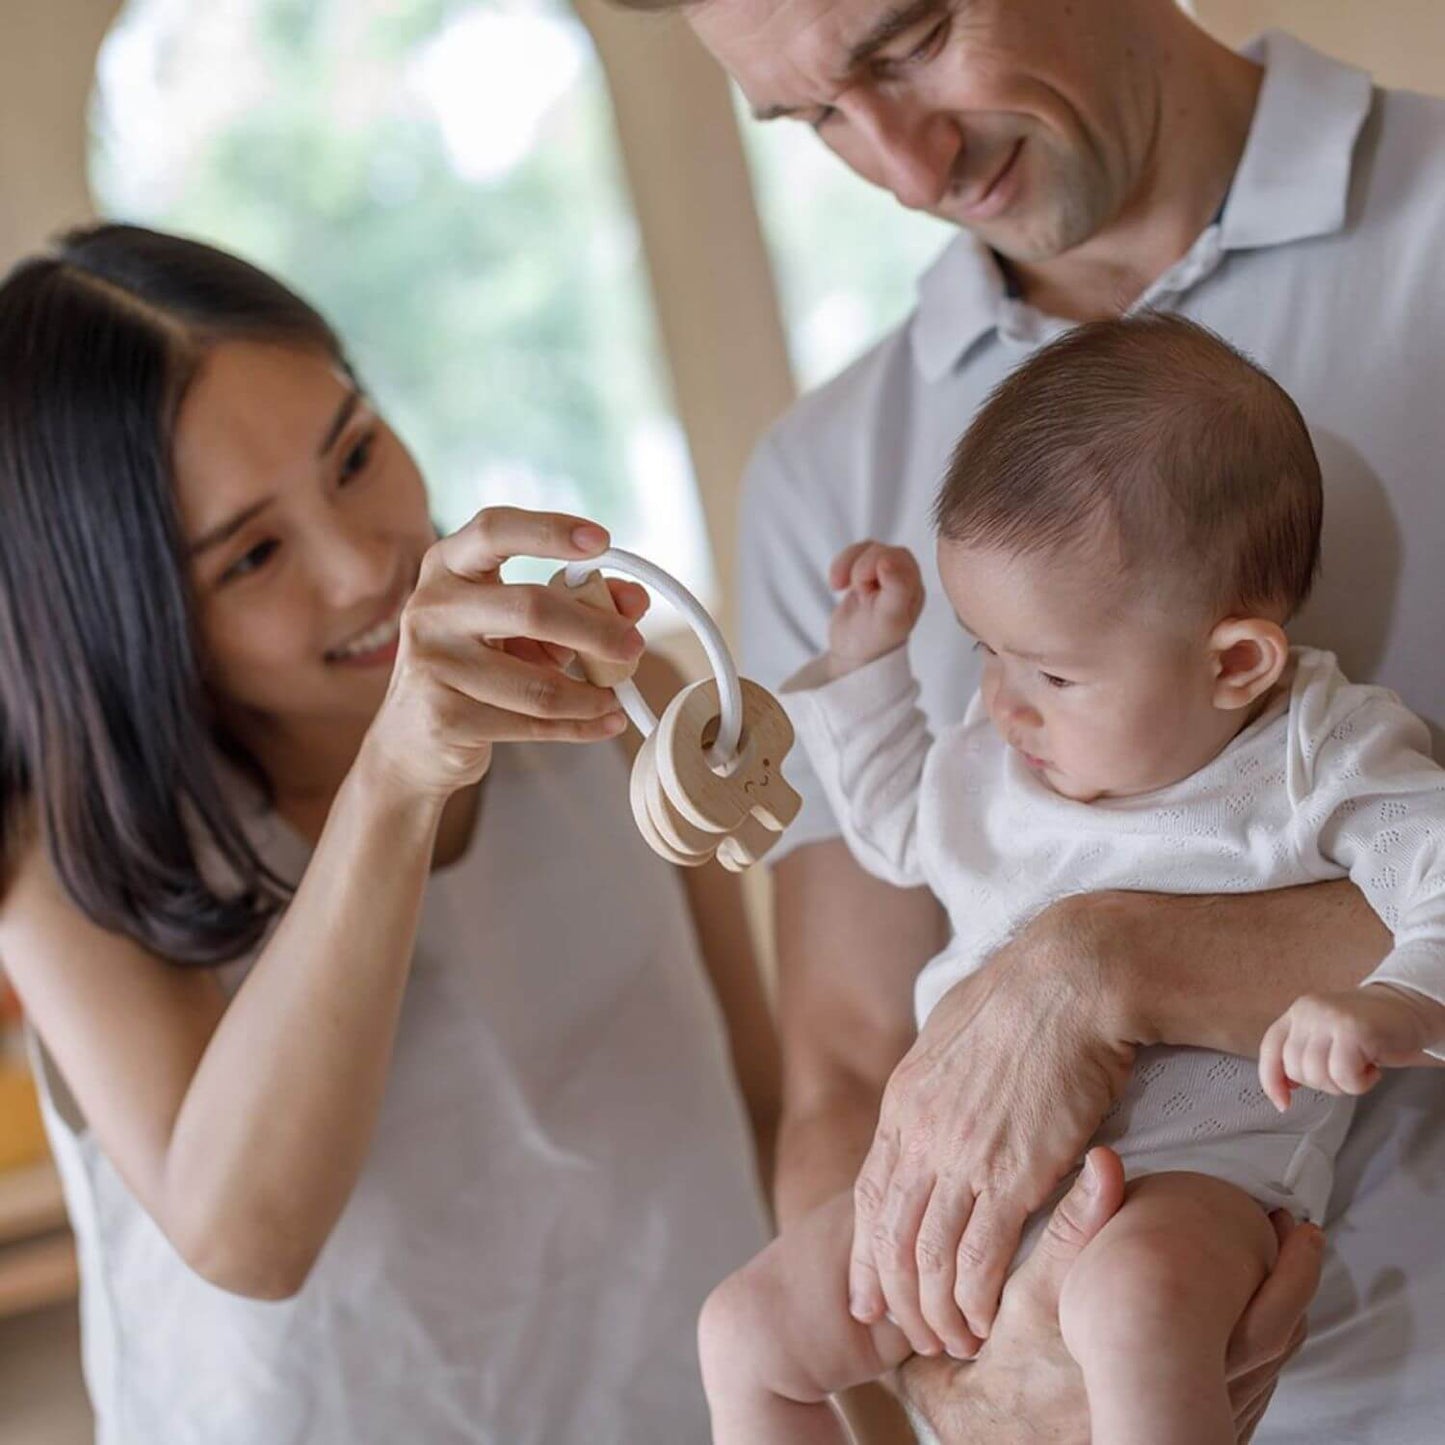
380, 1062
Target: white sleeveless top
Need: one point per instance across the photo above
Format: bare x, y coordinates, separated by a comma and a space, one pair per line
560, 1172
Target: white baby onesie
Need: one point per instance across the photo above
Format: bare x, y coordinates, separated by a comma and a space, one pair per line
1333, 780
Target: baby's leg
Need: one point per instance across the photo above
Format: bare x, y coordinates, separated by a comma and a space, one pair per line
776, 1338
1148, 1309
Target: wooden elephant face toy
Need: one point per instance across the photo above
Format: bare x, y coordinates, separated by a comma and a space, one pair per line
689, 803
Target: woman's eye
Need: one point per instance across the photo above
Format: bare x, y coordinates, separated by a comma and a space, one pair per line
244, 565
355, 460
1053, 681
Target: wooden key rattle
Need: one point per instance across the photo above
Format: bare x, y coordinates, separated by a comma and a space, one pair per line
708, 779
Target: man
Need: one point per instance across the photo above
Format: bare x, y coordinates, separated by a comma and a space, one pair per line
1101, 155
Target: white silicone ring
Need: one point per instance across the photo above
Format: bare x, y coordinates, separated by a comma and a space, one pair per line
730, 730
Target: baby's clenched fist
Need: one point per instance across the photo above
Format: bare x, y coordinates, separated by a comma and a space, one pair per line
1339, 1042
883, 597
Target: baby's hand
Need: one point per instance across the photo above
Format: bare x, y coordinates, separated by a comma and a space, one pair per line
1339, 1042
884, 596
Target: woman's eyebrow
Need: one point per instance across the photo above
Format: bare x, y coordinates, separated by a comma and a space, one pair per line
344, 413
228, 528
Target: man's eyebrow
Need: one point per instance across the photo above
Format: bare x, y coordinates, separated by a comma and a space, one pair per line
885, 30
888, 28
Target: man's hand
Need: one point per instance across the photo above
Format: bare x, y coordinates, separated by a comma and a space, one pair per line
991, 1107
1025, 1388
1339, 1042
882, 599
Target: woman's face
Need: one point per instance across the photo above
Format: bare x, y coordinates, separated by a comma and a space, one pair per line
306, 521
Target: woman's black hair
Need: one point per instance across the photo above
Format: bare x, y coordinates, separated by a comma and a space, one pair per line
107, 740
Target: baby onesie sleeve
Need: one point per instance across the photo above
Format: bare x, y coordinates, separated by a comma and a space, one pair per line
867, 741
1379, 801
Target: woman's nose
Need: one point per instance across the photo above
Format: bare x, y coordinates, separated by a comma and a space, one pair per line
351, 563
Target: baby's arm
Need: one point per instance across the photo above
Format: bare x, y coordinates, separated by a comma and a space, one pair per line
1385, 823
882, 599
855, 709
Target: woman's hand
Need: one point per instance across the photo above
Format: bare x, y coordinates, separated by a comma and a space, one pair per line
1025, 1388
480, 661
991, 1107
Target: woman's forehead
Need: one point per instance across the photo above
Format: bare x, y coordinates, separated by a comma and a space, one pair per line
253, 414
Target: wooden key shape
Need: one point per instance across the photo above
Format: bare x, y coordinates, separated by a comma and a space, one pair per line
594, 591
668, 834
754, 787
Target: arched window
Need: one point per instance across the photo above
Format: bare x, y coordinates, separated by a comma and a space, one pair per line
846, 254
439, 178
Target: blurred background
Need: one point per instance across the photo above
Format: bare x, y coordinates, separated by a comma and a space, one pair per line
569, 269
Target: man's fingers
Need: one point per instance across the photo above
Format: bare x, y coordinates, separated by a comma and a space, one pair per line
895, 1252
865, 1290
1274, 1318
984, 1255
943, 1224
1092, 1202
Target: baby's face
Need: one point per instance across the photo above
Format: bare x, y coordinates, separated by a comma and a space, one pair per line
1101, 693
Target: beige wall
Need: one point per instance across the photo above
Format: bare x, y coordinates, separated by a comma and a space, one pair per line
47, 59
1400, 42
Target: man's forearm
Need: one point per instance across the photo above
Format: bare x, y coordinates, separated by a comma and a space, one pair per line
1215, 971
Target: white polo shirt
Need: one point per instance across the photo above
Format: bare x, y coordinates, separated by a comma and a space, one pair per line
1327, 266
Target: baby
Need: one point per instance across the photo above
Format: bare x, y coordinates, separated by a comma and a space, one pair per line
1123, 533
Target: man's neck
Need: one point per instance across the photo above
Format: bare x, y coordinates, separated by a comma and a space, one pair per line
1206, 101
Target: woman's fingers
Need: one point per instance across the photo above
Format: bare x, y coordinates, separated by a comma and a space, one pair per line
529, 689
448, 611
631, 598
479, 548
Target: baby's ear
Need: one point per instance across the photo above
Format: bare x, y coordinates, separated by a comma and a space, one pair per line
1249, 654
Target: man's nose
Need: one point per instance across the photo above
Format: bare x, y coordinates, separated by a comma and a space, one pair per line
914, 148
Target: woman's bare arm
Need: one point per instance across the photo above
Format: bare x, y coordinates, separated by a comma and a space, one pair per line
241, 1129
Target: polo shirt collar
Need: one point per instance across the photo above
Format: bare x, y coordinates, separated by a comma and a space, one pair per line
1292, 183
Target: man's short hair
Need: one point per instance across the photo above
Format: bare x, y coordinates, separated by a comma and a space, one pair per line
1157, 430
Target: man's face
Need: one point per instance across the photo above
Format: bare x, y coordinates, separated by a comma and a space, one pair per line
1027, 121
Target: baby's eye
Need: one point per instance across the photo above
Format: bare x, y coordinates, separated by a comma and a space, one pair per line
983, 647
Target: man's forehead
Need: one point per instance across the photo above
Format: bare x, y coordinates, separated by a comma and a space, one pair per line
786, 53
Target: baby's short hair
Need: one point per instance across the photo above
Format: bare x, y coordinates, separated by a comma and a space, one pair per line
1196, 461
